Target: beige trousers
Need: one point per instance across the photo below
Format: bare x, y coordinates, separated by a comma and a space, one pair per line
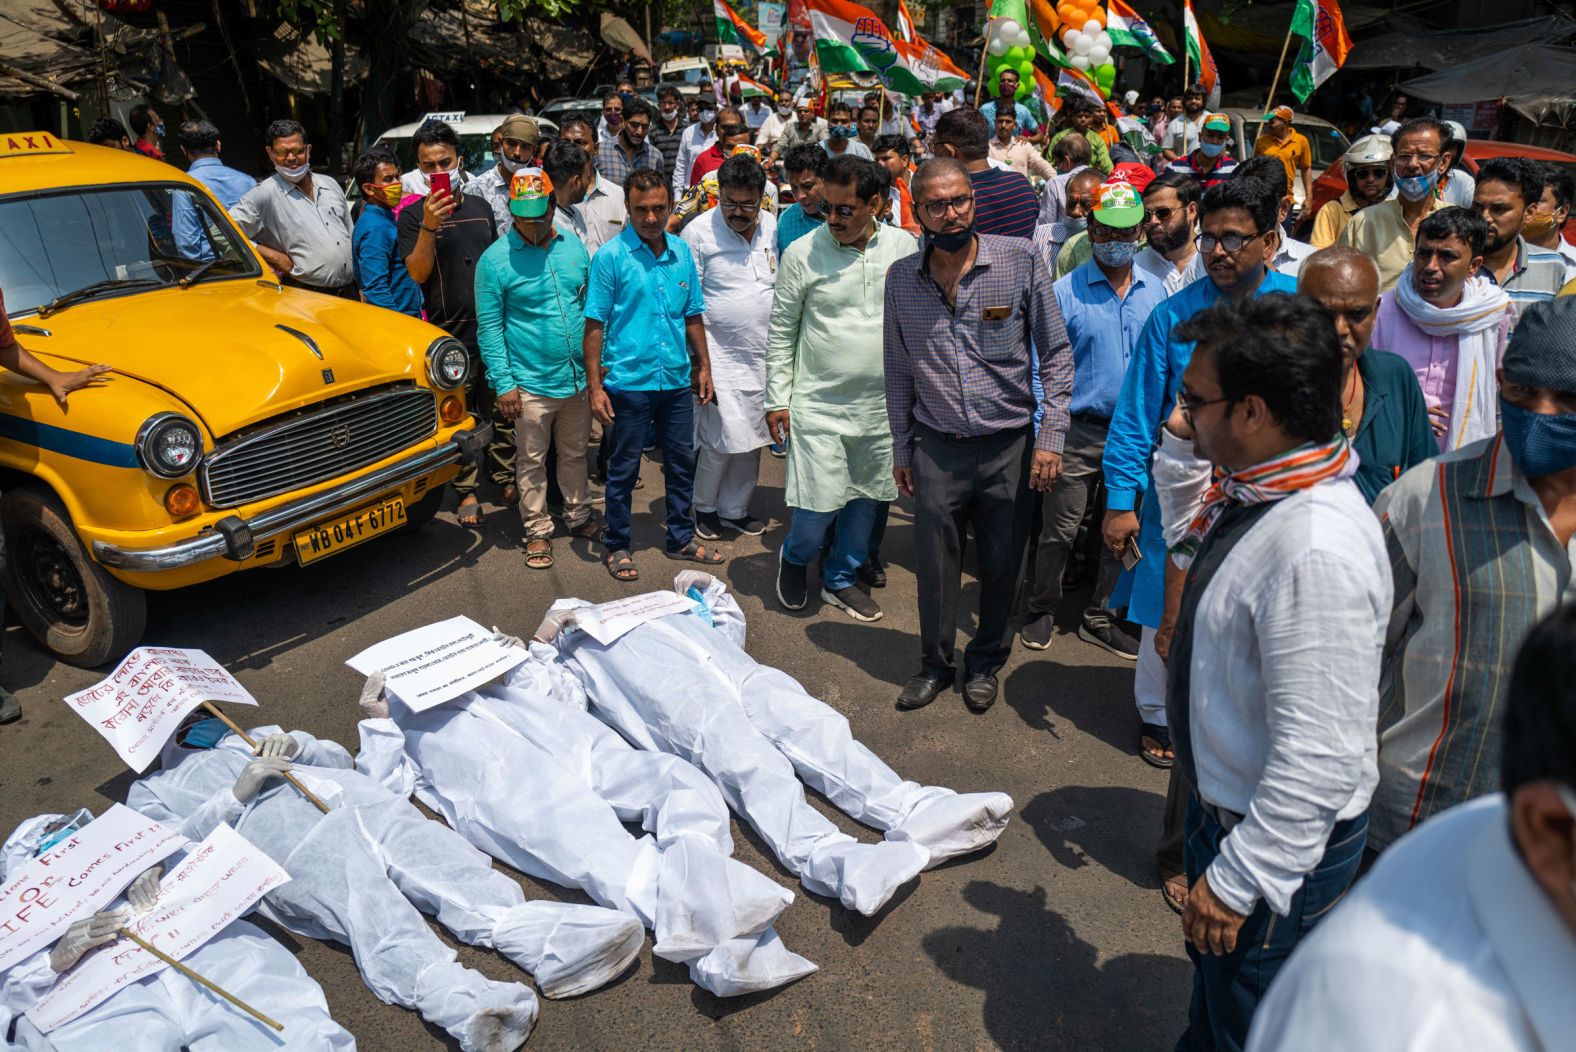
543, 420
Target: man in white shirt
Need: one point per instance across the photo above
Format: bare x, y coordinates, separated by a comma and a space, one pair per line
696, 139
771, 128
588, 207
1463, 937
1170, 224
1272, 684
1182, 132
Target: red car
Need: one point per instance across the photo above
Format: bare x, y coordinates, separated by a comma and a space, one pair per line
1332, 184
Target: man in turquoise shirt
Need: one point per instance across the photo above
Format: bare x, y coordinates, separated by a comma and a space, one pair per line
806, 167
1239, 223
643, 305
530, 294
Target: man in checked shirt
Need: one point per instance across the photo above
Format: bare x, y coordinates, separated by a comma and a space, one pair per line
963, 319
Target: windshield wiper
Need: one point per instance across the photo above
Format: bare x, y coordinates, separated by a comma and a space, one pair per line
89, 291
191, 279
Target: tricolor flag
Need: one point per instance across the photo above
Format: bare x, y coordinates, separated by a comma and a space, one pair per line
929, 63
1128, 30
849, 38
1198, 51
1325, 45
731, 29
905, 24
1073, 81
750, 88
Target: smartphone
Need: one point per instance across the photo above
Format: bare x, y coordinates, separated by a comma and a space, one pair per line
1131, 556
440, 181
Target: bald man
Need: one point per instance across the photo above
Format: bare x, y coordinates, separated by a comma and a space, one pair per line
1382, 406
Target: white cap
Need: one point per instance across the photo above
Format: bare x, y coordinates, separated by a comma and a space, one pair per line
1130, 98
1370, 149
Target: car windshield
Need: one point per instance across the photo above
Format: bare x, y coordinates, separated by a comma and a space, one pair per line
683, 76
476, 150
52, 245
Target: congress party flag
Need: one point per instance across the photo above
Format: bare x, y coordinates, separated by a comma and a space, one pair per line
1198, 54
732, 29
1128, 30
1072, 81
849, 38
1325, 45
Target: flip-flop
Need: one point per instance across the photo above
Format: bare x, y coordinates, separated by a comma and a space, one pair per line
540, 558
470, 520
1155, 757
696, 553
1174, 890
621, 566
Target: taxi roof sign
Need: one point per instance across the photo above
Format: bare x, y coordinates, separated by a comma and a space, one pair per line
21, 144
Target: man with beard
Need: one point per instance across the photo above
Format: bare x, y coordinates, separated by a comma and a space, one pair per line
1506, 188
1170, 223
1182, 131
623, 152
667, 127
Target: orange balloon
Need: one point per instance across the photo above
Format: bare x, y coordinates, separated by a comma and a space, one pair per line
1098, 14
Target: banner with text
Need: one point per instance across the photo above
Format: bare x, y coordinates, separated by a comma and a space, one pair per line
216, 884
428, 666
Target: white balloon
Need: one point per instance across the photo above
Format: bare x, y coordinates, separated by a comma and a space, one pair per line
1091, 27
1024, 40
1084, 45
1099, 55
1070, 39
998, 46
1008, 28
1104, 40
1079, 61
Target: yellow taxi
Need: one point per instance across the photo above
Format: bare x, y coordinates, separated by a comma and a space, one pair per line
245, 424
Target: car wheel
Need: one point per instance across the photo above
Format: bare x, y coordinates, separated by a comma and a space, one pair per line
421, 512
66, 600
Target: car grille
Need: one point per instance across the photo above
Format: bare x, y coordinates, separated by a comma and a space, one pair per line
318, 446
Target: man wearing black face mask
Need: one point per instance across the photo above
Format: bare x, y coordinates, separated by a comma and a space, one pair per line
959, 320
1481, 544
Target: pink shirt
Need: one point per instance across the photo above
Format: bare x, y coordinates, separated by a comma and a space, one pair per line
1432, 358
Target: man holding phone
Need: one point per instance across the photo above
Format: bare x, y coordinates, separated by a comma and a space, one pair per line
441, 242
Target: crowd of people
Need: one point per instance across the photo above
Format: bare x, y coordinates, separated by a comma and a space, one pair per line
1326, 492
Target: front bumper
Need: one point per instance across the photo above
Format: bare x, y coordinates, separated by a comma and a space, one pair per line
234, 538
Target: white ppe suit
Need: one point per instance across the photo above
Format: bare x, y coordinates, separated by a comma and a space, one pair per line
522, 771
166, 1010
364, 873
683, 684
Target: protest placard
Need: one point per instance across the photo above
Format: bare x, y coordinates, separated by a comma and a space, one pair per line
215, 884
605, 622
76, 878
428, 666
139, 705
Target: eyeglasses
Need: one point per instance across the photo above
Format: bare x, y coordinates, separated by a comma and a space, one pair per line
1232, 243
939, 209
1159, 215
1424, 159
737, 207
1188, 405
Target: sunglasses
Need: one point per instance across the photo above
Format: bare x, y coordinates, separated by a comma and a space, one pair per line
1159, 215
727, 131
1376, 172
1232, 243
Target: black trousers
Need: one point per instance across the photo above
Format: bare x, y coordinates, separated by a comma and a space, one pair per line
962, 482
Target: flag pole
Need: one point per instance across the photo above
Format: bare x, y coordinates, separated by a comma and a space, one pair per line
979, 82
250, 744
1185, 150
197, 978
1275, 80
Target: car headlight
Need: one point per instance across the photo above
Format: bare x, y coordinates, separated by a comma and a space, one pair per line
448, 363
169, 445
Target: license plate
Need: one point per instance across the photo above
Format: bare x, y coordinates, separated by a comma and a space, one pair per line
331, 538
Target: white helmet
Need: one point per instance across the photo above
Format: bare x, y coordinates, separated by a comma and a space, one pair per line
1370, 149
1458, 133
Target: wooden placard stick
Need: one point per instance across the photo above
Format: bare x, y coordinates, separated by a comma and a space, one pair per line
292, 779
197, 978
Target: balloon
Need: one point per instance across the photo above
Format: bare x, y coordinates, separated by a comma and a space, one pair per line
1099, 55
1097, 14
1079, 61
998, 46
1105, 76
1084, 45
1024, 40
1070, 39
1091, 28
1104, 40
1008, 28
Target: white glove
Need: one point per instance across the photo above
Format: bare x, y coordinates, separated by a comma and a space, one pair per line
374, 703
144, 891
504, 640
255, 774
84, 935
280, 745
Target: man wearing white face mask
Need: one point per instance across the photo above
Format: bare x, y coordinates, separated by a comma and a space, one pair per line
771, 130
1463, 937
299, 221
518, 136
697, 137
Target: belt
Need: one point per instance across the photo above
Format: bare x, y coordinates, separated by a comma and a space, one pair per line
986, 437
1228, 819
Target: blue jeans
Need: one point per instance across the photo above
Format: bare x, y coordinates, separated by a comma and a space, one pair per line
635, 413
1227, 989
808, 528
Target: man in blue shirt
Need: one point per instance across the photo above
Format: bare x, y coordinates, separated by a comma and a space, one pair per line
1236, 220
643, 305
806, 166
530, 326
374, 244
1007, 90
1104, 305
200, 142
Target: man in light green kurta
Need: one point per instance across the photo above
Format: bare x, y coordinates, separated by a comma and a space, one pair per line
825, 386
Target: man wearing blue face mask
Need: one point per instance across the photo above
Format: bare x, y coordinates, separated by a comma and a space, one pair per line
1210, 162
1387, 232
843, 140
1481, 545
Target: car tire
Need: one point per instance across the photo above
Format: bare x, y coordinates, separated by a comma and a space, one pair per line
420, 513
67, 601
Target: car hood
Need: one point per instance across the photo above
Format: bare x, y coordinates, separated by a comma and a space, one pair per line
239, 352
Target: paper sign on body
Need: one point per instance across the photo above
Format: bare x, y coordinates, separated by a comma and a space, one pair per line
216, 884
428, 666
141, 704
76, 878
607, 621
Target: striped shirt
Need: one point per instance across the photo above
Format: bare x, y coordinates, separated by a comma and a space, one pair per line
1476, 565
1537, 275
1004, 203
614, 162
963, 370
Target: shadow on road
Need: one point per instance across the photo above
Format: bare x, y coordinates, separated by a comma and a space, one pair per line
1042, 691
1045, 988
1113, 827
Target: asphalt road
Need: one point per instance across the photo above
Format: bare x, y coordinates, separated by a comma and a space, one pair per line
1057, 938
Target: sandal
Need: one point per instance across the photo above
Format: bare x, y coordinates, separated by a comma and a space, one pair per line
1174, 890
1161, 736
539, 553
621, 566
472, 519
510, 495
696, 553
589, 530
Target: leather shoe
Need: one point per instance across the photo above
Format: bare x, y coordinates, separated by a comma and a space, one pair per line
979, 693
921, 691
